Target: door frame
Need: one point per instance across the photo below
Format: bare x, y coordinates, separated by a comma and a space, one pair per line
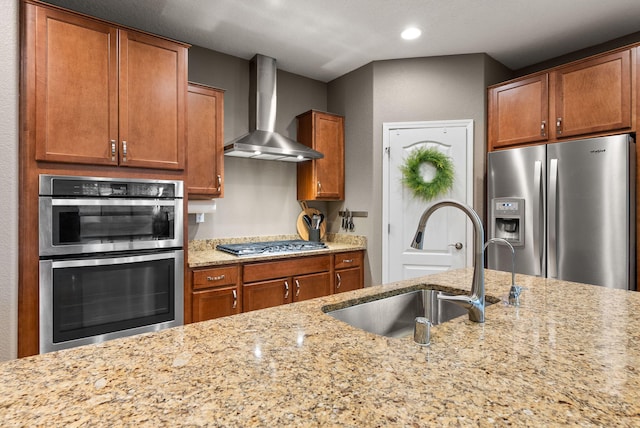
386, 128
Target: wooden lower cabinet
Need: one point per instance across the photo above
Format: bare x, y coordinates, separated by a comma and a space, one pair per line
274, 283
265, 294
348, 279
216, 303
216, 292
228, 290
348, 271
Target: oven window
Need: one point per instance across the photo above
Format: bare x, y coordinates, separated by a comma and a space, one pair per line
90, 224
94, 300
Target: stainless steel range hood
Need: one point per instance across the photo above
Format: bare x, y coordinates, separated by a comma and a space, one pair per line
262, 142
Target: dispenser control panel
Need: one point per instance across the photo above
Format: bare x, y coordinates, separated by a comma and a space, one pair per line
506, 206
507, 220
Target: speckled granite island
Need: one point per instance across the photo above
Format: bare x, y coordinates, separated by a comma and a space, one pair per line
570, 354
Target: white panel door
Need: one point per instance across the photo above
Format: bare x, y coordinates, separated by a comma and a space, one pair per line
448, 235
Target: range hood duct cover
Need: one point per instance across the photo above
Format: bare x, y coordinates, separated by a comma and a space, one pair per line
262, 142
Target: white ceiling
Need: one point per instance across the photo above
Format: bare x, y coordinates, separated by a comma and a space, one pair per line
324, 39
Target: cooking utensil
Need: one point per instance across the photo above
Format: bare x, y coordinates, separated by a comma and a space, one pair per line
303, 228
307, 221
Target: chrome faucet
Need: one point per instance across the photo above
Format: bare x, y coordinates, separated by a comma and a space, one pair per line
515, 290
474, 302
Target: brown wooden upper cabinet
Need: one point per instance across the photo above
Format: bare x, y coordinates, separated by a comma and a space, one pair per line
205, 142
321, 179
586, 97
105, 95
519, 111
593, 96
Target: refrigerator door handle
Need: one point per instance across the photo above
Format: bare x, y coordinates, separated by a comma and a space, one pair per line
553, 218
537, 218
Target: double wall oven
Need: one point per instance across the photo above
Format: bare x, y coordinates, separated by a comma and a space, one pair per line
111, 258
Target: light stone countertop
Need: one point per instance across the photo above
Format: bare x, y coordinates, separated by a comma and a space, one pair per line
203, 253
569, 355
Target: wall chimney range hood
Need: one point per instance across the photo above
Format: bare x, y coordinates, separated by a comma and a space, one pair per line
262, 142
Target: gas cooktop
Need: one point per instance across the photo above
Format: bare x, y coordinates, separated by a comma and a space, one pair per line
270, 247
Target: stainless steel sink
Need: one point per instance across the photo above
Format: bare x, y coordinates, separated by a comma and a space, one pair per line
394, 316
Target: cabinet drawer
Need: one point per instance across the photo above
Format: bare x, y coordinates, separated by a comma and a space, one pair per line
285, 268
347, 260
217, 277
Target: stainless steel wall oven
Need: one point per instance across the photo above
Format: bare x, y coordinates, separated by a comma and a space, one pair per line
111, 258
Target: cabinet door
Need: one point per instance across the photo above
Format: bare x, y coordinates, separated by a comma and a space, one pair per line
75, 87
265, 294
329, 138
216, 303
322, 179
205, 142
348, 279
153, 90
593, 96
311, 286
518, 112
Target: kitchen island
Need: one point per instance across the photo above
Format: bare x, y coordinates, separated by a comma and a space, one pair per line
570, 354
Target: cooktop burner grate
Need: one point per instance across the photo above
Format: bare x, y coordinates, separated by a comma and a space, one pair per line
270, 247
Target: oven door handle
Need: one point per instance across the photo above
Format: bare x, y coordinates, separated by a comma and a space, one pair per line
106, 261
113, 202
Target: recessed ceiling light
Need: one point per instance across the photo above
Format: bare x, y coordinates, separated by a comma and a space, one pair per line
411, 33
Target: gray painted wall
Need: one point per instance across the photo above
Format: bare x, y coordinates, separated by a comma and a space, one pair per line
260, 196
352, 96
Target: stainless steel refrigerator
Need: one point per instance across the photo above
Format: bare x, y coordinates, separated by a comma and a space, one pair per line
568, 209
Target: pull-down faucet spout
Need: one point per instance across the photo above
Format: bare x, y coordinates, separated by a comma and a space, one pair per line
474, 302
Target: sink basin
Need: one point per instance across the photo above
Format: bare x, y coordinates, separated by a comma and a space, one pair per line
394, 316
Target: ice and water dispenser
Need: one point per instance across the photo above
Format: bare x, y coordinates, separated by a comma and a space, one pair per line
507, 219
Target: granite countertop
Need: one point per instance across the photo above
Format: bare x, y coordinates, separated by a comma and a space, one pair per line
569, 355
203, 253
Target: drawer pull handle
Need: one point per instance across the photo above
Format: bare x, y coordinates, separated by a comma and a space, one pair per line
113, 150
543, 129
297, 288
286, 290
339, 281
235, 299
215, 278
219, 183
347, 261
124, 151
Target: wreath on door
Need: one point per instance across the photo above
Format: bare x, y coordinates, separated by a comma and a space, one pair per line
412, 176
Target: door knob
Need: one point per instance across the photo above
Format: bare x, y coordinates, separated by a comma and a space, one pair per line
457, 245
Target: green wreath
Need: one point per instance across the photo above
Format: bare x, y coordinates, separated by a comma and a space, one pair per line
412, 178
